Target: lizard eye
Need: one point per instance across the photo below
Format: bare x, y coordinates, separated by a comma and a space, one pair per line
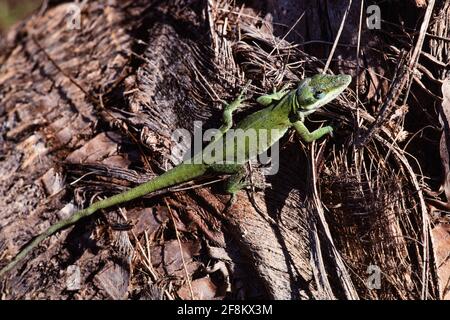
319, 95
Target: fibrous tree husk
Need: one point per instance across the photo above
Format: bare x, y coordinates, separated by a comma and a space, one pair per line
88, 112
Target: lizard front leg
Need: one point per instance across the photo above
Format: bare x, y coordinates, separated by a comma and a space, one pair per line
308, 136
268, 99
228, 112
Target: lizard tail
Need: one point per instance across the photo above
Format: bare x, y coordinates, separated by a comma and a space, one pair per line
177, 175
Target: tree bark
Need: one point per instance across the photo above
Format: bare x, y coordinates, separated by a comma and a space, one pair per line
88, 112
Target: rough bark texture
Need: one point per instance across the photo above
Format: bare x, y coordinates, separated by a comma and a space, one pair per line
88, 113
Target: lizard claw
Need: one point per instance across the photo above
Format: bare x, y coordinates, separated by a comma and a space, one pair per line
331, 134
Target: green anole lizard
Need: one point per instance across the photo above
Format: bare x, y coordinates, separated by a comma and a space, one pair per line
283, 110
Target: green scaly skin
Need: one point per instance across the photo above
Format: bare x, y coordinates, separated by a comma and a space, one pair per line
283, 110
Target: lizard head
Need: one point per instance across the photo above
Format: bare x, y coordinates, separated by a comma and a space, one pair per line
312, 93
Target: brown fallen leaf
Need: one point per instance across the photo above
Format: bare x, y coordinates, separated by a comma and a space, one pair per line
167, 259
441, 237
114, 279
203, 289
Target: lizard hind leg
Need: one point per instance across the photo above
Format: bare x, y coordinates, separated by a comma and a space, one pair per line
229, 109
235, 183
